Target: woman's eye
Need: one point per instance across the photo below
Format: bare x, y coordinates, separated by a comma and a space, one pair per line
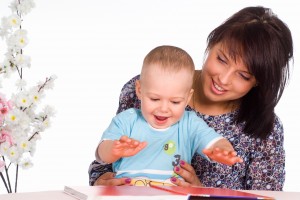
245, 77
221, 59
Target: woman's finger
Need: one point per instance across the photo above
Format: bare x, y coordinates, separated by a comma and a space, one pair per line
180, 182
187, 172
108, 179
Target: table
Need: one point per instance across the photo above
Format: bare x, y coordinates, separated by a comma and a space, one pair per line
44, 195
277, 194
60, 195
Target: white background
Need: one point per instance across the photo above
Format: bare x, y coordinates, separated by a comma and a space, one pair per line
95, 46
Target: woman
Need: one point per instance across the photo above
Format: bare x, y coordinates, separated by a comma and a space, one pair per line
242, 79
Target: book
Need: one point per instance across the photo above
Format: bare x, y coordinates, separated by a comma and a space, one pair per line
157, 192
209, 193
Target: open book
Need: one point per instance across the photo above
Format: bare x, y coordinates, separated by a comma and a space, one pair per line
155, 192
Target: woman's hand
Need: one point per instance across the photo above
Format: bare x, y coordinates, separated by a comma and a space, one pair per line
187, 172
108, 179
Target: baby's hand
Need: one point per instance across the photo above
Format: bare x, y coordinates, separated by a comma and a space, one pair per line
223, 152
125, 146
223, 156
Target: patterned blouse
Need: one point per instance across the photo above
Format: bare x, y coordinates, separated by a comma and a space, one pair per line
264, 160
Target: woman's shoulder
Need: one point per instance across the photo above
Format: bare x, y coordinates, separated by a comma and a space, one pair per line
277, 127
129, 87
128, 98
131, 83
277, 122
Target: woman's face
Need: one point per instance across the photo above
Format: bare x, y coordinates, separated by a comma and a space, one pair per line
223, 79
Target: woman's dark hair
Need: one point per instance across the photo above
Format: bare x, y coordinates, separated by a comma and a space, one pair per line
264, 43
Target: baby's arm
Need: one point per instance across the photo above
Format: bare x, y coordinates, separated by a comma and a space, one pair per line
223, 152
110, 151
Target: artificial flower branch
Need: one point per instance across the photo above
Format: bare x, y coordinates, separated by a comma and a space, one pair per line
20, 123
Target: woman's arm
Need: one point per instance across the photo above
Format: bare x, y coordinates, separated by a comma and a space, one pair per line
266, 170
96, 170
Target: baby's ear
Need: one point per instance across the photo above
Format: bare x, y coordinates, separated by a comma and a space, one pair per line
138, 89
190, 95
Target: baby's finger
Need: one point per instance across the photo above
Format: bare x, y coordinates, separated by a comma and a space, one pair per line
124, 138
207, 152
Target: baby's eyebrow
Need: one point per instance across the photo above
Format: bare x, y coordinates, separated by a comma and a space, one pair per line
177, 98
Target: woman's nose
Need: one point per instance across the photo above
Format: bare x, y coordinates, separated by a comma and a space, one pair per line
225, 77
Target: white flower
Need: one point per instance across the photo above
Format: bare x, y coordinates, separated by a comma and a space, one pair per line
22, 6
4, 29
21, 83
17, 119
24, 145
13, 154
33, 149
13, 117
4, 23
46, 124
35, 96
4, 147
8, 70
22, 100
14, 21
26, 163
17, 40
31, 112
42, 125
22, 61
49, 111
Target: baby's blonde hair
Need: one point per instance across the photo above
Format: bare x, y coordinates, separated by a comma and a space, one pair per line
169, 58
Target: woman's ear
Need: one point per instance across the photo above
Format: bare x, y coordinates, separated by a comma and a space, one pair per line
138, 89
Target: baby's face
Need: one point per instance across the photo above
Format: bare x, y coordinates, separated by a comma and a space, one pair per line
164, 95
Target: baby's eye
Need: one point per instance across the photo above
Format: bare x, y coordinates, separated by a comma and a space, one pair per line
154, 99
175, 102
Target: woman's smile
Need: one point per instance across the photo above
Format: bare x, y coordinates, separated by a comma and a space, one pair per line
217, 89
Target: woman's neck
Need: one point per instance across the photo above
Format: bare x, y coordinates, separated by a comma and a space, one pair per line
203, 105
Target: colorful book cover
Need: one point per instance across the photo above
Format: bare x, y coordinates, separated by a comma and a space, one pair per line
199, 193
